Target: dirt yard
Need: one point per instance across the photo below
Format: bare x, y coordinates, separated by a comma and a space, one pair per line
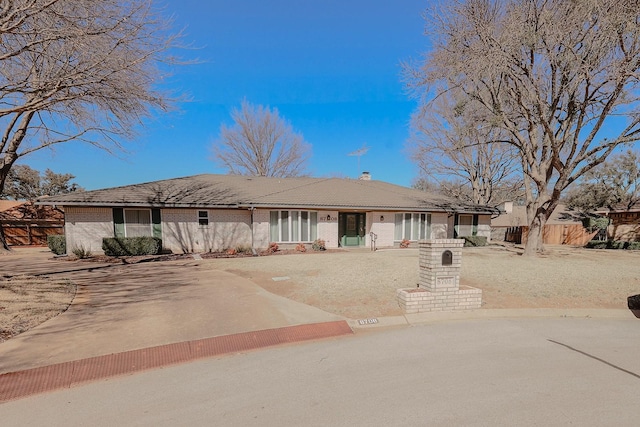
360, 284
363, 284
26, 302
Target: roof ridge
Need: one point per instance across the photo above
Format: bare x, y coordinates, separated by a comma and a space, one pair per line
312, 181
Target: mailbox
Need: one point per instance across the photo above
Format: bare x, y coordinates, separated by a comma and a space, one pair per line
447, 258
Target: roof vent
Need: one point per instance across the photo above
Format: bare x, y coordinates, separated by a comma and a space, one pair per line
366, 176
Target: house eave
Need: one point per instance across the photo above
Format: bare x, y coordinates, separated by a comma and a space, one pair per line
351, 208
137, 205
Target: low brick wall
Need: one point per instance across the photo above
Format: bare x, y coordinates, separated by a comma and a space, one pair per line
439, 281
418, 300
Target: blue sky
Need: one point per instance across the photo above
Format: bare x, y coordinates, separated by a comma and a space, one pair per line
330, 67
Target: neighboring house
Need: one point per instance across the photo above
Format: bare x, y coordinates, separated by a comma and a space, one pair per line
625, 224
564, 226
213, 212
24, 223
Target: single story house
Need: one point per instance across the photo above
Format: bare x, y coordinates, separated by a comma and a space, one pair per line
205, 213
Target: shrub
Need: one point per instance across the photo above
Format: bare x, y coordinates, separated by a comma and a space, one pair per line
612, 244
470, 241
300, 247
318, 245
595, 223
131, 246
81, 252
405, 243
243, 249
597, 244
57, 244
231, 251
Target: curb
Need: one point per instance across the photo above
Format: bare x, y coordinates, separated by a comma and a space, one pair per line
480, 314
20, 384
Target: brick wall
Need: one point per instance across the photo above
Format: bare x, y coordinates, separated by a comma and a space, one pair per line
440, 227
227, 228
85, 227
328, 229
484, 226
261, 228
383, 228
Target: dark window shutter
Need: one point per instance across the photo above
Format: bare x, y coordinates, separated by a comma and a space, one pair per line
156, 221
118, 222
455, 226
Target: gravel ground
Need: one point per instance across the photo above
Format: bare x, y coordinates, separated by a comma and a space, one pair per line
358, 284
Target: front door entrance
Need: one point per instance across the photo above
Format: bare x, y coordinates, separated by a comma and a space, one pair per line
351, 228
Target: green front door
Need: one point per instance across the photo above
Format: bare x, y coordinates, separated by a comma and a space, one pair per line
352, 226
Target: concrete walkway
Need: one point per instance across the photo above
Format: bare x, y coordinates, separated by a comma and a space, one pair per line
120, 308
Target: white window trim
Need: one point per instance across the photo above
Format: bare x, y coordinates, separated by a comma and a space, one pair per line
124, 219
427, 224
290, 225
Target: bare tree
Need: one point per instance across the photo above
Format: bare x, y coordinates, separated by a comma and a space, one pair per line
261, 143
454, 146
505, 191
561, 77
77, 70
615, 185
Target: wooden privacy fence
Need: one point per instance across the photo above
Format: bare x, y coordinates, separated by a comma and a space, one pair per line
556, 234
30, 232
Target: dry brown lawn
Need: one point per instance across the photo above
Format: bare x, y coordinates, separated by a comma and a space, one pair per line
25, 302
359, 284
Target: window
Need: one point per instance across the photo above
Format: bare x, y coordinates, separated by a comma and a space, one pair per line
465, 225
412, 226
293, 226
137, 223
203, 218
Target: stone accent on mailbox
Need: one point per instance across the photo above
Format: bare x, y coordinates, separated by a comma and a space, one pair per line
439, 280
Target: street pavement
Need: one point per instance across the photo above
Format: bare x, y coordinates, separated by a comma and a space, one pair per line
488, 372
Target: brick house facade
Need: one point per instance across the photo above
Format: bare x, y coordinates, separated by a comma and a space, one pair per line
253, 212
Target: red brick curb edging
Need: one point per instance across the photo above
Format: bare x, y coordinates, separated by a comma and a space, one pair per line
16, 385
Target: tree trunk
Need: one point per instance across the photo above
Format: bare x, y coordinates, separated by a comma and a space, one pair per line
538, 214
4, 172
535, 242
3, 241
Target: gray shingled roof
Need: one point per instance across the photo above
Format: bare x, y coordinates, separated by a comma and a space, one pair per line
518, 217
219, 191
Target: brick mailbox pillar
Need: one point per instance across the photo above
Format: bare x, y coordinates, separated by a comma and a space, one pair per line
439, 280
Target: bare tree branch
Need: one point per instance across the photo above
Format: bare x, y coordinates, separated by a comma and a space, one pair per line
451, 140
261, 143
77, 70
556, 75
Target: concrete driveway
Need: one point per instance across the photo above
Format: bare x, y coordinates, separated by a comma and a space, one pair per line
126, 307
